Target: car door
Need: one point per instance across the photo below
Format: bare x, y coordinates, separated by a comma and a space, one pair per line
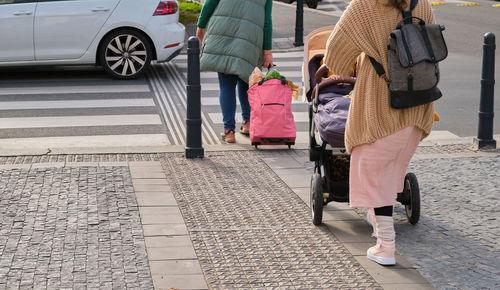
64, 29
16, 30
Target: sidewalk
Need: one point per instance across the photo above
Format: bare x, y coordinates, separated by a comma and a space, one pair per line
138, 220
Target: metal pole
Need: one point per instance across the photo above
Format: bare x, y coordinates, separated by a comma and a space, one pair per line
484, 138
299, 24
193, 114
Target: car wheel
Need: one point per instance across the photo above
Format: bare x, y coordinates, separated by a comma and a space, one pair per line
125, 54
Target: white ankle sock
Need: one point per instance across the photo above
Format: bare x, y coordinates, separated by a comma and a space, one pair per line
385, 228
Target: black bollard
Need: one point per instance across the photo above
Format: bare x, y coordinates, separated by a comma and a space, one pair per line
299, 24
193, 88
484, 138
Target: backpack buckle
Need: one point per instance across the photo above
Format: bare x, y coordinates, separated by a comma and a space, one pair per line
386, 79
410, 72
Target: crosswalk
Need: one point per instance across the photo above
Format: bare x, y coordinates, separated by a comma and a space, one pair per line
89, 109
334, 7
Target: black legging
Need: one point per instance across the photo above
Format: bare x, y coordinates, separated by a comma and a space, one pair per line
385, 210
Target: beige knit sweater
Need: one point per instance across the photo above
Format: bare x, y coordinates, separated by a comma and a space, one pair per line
363, 30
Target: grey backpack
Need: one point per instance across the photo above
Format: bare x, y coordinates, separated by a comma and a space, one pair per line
414, 50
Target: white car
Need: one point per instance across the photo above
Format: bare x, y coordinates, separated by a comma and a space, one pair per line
123, 36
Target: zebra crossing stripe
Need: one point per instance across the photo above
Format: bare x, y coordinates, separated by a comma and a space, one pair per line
79, 121
74, 104
74, 89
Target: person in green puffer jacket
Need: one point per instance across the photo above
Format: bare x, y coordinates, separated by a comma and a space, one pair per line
236, 37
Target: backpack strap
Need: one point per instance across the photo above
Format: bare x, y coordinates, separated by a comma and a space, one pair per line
407, 19
407, 13
379, 69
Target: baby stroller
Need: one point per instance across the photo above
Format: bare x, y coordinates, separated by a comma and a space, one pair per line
328, 110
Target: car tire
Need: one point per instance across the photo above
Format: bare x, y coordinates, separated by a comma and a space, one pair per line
125, 54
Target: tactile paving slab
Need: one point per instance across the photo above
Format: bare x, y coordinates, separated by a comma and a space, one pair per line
250, 230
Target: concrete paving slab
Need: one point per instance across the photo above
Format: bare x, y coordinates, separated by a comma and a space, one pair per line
401, 262
81, 164
112, 163
296, 180
157, 219
158, 181
150, 210
48, 165
303, 193
292, 171
391, 275
147, 169
179, 282
350, 231
160, 215
341, 215
14, 166
144, 163
148, 198
336, 206
175, 267
165, 230
147, 174
282, 163
152, 187
168, 241
170, 253
396, 286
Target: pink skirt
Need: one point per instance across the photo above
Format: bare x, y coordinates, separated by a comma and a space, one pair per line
377, 170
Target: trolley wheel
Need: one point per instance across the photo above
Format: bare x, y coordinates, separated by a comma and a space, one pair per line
316, 199
312, 3
256, 146
412, 193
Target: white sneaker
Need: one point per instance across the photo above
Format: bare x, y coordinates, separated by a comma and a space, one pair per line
383, 252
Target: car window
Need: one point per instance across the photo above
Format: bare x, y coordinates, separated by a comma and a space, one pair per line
2, 2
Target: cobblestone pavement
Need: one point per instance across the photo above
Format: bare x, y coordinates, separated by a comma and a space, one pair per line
250, 230
70, 227
29, 159
456, 244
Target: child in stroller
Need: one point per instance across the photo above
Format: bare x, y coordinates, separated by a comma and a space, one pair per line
328, 109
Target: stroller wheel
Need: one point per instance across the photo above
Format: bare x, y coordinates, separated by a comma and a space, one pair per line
411, 194
316, 201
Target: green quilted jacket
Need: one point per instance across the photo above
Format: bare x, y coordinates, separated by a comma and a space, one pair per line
233, 39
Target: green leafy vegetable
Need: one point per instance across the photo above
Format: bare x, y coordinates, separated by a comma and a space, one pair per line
273, 75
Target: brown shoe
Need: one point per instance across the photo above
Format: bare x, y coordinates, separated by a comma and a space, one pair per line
245, 129
228, 136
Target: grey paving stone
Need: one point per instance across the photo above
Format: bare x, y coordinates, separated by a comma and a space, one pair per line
70, 227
